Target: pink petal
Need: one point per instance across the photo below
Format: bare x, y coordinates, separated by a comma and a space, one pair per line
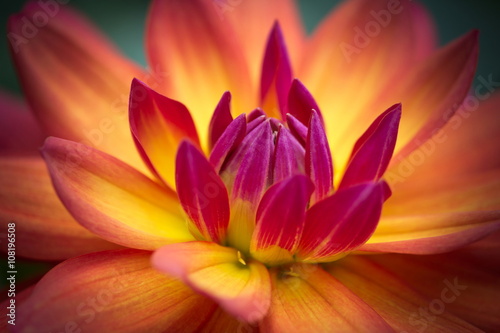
228, 141
373, 150
288, 156
240, 287
276, 76
158, 125
341, 222
300, 103
280, 220
112, 291
202, 193
298, 129
113, 200
319, 165
221, 119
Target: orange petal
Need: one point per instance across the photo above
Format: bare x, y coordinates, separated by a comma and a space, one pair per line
252, 21
19, 130
188, 40
358, 52
241, 287
394, 298
74, 80
19, 299
307, 299
113, 291
112, 199
44, 228
221, 321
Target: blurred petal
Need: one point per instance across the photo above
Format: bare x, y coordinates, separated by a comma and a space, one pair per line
188, 40
358, 52
113, 291
19, 130
319, 165
71, 75
280, 220
221, 119
241, 288
394, 297
44, 229
112, 199
341, 222
373, 150
202, 194
158, 125
307, 299
300, 103
221, 321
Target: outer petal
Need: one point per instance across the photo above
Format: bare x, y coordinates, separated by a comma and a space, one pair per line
91, 85
241, 288
44, 228
359, 51
394, 297
111, 199
220, 119
202, 193
280, 220
158, 125
307, 299
19, 131
112, 291
188, 40
341, 222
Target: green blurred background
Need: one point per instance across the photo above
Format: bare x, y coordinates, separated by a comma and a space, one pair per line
123, 22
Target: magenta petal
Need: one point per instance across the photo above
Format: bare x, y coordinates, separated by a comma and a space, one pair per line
301, 103
202, 194
252, 124
228, 141
341, 222
280, 219
288, 156
298, 129
319, 165
254, 114
220, 119
276, 69
373, 150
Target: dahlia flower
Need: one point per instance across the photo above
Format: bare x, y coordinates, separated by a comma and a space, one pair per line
254, 178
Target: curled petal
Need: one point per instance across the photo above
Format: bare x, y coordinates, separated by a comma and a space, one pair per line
288, 156
301, 103
241, 287
220, 119
158, 125
202, 193
111, 199
298, 129
228, 141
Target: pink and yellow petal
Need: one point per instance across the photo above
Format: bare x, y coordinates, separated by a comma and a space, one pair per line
394, 298
112, 291
178, 32
240, 287
307, 299
113, 200
91, 87
44, 228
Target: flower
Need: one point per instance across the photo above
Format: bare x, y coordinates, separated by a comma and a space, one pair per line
242, 224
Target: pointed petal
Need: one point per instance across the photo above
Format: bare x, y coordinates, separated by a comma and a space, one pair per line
280, 220
229, 140
188, 40
319, 165
241, 288
373, 151
71, 75
44, 228
288, 156
355, 56
158, 125
255, 120
202, 193
298, 129
220, 119
112, 291
20, 132
341, 222
301, 102
111, 199
394, 297
307, 299
276, 76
